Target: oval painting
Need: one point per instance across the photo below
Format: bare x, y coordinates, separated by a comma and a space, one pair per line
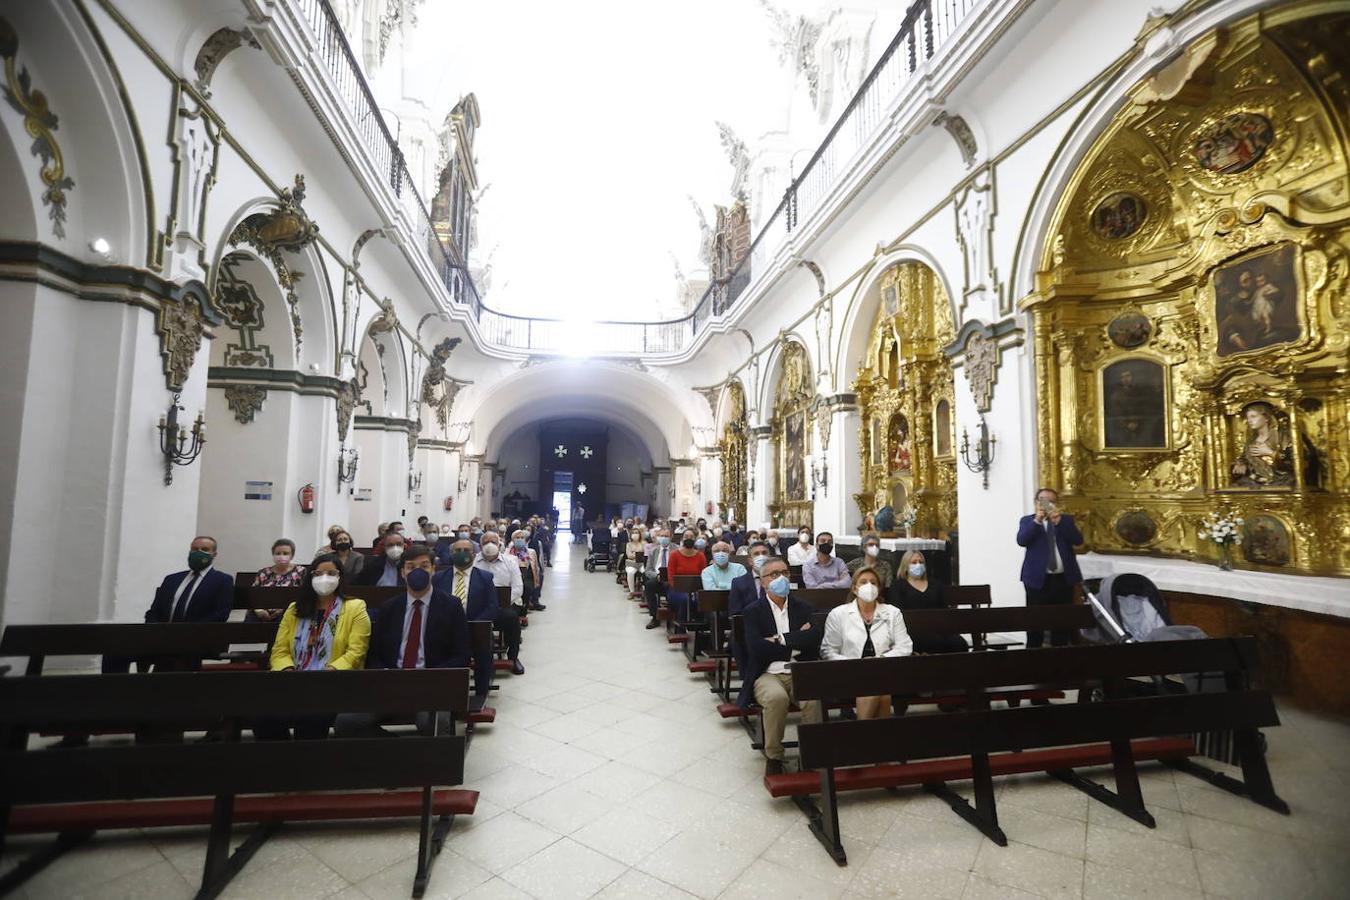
1119, 216
1130, 330
1265, 541
1136, 528
1234, 143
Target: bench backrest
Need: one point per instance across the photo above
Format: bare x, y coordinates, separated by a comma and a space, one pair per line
282, 597
967, 595
823, 599
713, 601
689, 584
991, 619
185, 640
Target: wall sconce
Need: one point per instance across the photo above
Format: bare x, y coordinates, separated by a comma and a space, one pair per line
820, 475
173, 439
347, 462
981, 457
414, 482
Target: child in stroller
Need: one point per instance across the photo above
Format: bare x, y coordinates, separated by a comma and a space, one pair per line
599, 554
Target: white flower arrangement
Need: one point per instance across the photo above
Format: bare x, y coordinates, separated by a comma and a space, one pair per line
907, 517
1221, 528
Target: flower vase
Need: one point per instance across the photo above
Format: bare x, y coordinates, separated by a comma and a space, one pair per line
1226, 557
909, 531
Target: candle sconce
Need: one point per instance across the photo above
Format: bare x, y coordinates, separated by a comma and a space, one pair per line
980, 457
414, 482
348, 458
174, 438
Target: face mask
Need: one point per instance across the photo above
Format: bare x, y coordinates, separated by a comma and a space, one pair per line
342, 546
758, 561
867, 592
463, 535
721, 557
872, 549
395, 552
281, 559
717, 532
780, 586
490, 551
688, 543
198, 560
804, 538
664, 540
916, 570
477, 533
700, 543
418, 579
325, 584
826, 549
773, 540
519, 543
462, 558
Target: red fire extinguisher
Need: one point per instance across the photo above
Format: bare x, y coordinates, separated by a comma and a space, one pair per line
306, 498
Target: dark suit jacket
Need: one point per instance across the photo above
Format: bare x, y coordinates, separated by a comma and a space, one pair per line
211, 601
1031, 534
374, 568
447, 634
760, 626
482, 592
744, 591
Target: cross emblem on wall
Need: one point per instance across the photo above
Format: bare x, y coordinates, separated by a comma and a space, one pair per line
560, 451
581, 488
586, 452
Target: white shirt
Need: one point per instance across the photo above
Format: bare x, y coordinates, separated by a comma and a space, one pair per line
182, 586
780, 620
799, 553
505, 573
422, 631
846, 634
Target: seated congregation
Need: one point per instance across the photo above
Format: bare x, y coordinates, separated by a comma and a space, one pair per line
406, 635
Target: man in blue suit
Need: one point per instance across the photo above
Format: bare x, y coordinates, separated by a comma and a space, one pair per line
777, 629
197, 594
745, 592
477, 593
1049, 568
423, 628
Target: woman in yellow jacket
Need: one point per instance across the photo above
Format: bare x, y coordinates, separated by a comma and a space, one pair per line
321, 631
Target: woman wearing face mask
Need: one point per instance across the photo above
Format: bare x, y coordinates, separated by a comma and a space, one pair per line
348, 558
863, 628
322, 630
804, 549
871, 559
528, 562
915, 590
638, 545
282, 573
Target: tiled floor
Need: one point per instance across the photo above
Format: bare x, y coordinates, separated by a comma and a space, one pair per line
608, 773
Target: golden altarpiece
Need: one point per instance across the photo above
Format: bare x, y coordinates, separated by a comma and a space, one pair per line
732, 449
791, 435
1191, 314
905, 392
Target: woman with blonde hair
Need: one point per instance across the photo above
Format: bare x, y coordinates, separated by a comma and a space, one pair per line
914, 589
866, 627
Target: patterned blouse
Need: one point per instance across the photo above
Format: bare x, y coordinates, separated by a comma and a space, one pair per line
313, 647
269, 578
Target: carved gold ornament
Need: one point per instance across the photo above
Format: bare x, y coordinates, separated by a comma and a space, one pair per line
39, 121
180, 327
245, 401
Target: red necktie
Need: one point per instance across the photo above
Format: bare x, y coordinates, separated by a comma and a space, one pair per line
414, 642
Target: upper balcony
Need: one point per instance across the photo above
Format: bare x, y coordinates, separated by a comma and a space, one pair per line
929, 29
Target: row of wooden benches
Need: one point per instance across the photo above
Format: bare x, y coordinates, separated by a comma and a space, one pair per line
74, 791
1127, 710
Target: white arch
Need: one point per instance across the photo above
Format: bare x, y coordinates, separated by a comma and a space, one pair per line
773, 365
635, 422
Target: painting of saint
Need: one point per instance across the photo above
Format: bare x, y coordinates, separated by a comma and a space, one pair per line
1265, 540
942, 429
1130, 330
1267, 457
898, 440
1234, 143
1136, 527
794, 456
876, 442
1256, 301
1119, 216
1134, 405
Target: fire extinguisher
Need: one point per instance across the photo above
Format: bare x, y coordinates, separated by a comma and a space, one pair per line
449, 503
306, 498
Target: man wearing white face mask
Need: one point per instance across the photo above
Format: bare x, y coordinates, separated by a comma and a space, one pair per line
386, 569
776, 546
505, 573
871, 559
722, 572
803, 550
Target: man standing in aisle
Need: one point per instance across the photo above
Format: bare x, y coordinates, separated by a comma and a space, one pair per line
1049, 568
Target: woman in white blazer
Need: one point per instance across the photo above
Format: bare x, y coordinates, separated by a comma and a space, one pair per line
866, 627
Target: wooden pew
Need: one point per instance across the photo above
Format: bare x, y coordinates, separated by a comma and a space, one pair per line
76, 791
195, 641
980, 742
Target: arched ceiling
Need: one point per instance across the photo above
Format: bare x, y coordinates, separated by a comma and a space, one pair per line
635, 422
611, 421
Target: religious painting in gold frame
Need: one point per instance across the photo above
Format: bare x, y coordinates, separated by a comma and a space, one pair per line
1258, 300
791, 435
1134, 410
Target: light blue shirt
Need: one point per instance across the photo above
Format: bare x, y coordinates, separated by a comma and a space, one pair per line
715, 578
389, 577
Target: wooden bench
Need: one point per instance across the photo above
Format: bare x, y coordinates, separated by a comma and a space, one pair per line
1054, 738
78, 790
175, 642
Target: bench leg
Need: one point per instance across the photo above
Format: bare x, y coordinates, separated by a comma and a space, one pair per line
67, 840
1256, 785
1127, 798
984, 815
430, 842
221, 865
825, 822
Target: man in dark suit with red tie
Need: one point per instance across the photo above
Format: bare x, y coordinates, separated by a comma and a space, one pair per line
197, 594
424, 628
1049, 568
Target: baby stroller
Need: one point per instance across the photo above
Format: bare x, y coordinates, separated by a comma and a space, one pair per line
599, 554
1128, 608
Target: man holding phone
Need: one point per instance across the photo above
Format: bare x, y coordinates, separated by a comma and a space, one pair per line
1050, 568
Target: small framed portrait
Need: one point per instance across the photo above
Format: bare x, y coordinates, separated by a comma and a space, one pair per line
1119, 216
1136, 527
1258, 301
1233, 144
1265, 541
1130, 329
1134, 405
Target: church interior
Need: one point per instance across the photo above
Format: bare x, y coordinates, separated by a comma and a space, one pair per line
967, 516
